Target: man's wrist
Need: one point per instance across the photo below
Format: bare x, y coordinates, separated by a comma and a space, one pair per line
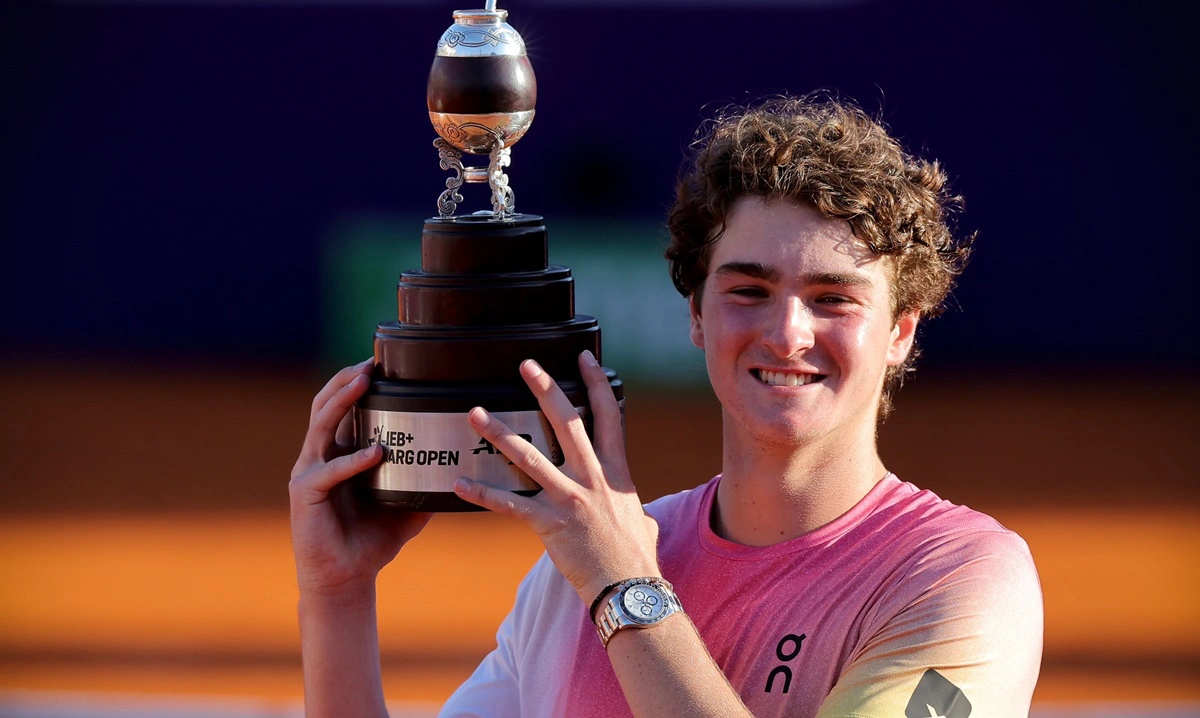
600, 597
351, 594
600, 594
635, 603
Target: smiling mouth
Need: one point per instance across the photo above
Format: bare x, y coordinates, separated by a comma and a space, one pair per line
781, 378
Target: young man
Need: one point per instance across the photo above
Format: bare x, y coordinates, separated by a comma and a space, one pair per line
805, 580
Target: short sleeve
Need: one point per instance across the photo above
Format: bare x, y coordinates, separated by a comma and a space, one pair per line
969, 643
493, 690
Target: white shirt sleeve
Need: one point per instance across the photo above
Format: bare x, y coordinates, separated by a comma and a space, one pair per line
513, 679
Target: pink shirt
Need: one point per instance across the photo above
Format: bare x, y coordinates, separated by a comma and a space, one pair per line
907, 605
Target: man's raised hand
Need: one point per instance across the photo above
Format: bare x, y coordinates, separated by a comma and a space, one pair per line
588, 513
339, 543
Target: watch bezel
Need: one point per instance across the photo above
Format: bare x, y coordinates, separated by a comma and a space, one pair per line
659, 614
616, 616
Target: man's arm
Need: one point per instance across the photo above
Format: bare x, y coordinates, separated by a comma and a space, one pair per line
340, 546
339, 642
666, 670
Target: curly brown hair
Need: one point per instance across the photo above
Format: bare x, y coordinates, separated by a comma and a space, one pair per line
830, 154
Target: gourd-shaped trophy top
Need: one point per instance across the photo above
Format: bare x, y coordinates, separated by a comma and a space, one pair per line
481, 97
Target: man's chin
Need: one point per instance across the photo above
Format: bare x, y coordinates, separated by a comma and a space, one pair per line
782, 431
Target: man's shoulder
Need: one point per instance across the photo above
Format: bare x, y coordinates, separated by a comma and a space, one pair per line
938, 534
922, 512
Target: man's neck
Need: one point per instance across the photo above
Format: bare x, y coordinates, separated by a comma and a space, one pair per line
771, 493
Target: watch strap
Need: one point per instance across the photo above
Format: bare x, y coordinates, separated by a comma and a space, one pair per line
600, 596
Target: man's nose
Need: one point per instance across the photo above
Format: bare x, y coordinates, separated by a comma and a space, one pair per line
791, 328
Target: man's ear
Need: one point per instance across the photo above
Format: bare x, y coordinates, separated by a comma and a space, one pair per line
697, 329
903, 335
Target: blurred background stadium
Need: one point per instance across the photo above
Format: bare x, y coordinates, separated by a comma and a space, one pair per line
205, 206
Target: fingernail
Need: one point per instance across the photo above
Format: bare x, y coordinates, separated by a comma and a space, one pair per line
369, 450
365, 362
478, 416
588, 357
532, 369
461, 486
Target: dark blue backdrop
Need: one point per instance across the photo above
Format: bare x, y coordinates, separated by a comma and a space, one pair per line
170, 170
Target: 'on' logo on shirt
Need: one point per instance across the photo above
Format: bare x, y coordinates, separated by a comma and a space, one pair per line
788, 648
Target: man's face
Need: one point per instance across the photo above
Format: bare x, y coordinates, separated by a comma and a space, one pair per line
796, 325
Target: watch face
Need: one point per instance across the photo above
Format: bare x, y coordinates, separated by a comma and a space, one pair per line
643, 603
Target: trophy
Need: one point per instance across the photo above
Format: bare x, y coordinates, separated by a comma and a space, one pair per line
484, 299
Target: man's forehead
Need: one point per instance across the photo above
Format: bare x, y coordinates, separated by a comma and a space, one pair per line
755, 222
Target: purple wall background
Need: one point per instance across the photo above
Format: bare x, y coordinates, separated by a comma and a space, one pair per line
170, 171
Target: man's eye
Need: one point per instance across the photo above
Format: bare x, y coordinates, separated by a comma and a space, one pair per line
748, 292
834, 299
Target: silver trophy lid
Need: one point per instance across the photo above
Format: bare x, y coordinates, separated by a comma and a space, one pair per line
478, 33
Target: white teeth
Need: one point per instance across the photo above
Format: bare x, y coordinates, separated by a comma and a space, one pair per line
779, 378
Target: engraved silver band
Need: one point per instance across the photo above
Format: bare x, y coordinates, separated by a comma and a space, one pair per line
426, 451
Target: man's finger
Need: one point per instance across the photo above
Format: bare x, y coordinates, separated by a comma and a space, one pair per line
313, 486
606, 413
524, 455
564, 418
499, 501
322, 433
345, 432
335, 384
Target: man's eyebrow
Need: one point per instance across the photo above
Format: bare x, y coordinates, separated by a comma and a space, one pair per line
757, 270
837, 279
754, 270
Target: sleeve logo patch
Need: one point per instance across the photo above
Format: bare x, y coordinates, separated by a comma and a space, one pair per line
936, 697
